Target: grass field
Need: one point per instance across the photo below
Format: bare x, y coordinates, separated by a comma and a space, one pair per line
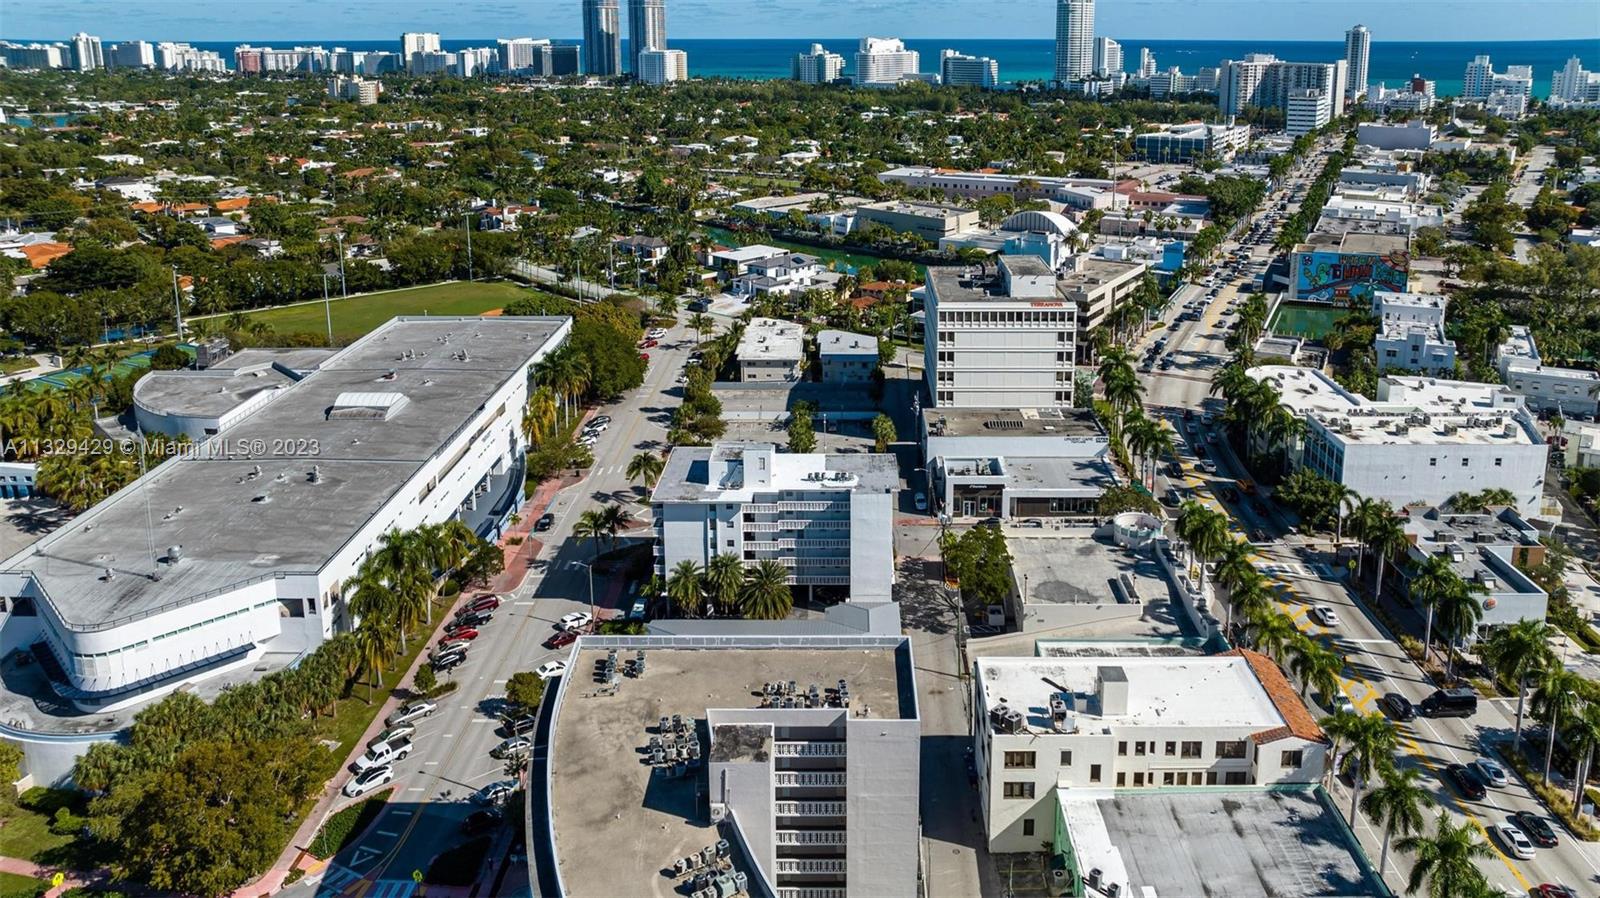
1309, 321
360, 314
17, 884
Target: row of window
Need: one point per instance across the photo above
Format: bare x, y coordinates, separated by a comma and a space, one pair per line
181, 630
1025, 790
1433, 462
1225, 749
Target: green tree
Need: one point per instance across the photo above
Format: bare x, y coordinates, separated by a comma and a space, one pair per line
1372, 745
525, 690
724, 577
1397, 804
980, 562
766, 594
1516, 654
1445, 863
802, 435
423, 682
646, 467
883, 433
684, 588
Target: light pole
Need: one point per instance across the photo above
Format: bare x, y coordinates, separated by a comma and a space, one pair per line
344, 288
177, 302
466, 223
589, 566
327, 306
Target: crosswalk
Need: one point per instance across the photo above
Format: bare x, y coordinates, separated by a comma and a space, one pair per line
1295, 569
343, 881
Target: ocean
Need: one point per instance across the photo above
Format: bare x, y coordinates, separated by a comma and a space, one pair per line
1031, 60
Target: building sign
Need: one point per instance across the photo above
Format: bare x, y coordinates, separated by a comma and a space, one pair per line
1335, 277
1047, 305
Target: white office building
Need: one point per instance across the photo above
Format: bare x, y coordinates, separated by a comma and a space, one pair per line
1410, 333
87, 53
1049, 728
968, 71
817, 66
1413, 135
1107, 57
662, 66
1357, 55
1191, 141
647, 31
884, 60
827, 518
1306, 111
1490, 552
1566, 391
1423, 440
999, 336
1074, 40
1147, 63
520, 54
1267, 82
132, 55
1481, 80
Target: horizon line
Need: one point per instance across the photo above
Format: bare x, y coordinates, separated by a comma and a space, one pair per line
857, 37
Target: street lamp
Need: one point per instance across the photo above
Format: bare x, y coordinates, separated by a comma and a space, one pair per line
589, 566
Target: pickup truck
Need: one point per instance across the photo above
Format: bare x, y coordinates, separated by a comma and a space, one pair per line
384, 753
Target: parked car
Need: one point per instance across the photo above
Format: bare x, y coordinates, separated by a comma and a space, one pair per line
384, 753
482, 822
1324, 615
595, 428
649, 344
657, 333
458, 629
407, 713
448, 661
644, 357
485, 603
577, 620
392, 734
1397, 706
452, 644
494, 793
561, 638
1515, 843
1554, 890
474, 619
1464, 782
545, 522
518, 726
1490, 772
1343, 705
367, 780
1536, 828
516, 745
551, 669
920, 501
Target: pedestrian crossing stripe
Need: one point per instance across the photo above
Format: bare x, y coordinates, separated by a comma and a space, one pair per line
1295, 568
338, 877
392, 888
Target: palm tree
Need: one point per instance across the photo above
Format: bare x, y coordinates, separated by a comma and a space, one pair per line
613, 519
539, 418
1387, 539
404, 561
372, 647
1433, 582
684, 588
701, 322
590, 525
1446, 862
1372, 746
1317, 666
1251, 599
646, 466
724, 576
1515, 654
1583, 735
1555, 698
1206, 532
1338, 726
1271, 634
1397, 804
1459, 612
765, 594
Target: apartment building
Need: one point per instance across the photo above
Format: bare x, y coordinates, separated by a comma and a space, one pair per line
930, 221
1265, 81
817, 66
1047, 727
1410, 333
1489, 552
827, 518
999, 335
770, 349
1565, 391
961, 70
847, 358
1107, 57
885, 60
1074, 55
661, 66
1192, 140
1481, 80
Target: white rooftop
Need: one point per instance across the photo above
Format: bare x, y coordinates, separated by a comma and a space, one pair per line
748, 253
831, 342
1413, 410
770, 338
1204, 691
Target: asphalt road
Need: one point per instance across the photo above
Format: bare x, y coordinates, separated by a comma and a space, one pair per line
451, 761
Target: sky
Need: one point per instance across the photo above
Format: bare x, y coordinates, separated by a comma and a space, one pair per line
224, 20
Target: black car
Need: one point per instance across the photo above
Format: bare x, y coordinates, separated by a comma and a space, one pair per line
1397, 706
448, 661
545, 522
482, 822
518, 726
1199, 451
466, 617
1174, 469
1536, 828
1465, 782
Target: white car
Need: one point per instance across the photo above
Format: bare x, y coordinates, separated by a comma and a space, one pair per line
516, 745
1515, 843
1324, 615
393, 734
920, 501
551, 669
577, 620
408, 713
597, 427
1490, 772
367, 780
1343, 705
656, 333
494, 793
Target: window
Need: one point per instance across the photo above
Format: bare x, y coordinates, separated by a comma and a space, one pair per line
1191, 749
1018, 790
1497, 464
1464, 462
1230, 749
1138, 779
1122, 779
1122, 749
1168, 778
1094, 773
1172, 749
1138, 748
1027, 826
1019, 760
1292, 758
1433, 462
1211, 777
1066, 759
1183, 778
1236, 778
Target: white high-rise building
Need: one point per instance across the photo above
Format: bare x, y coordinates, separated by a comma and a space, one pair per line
1479, 75
602, 38
1003, 337
520, 54
818, 66
1107, 57
1074, 39
1481, 80
1357, 54
1574, 84
1147, 63
177, 57
415, 43
883, 60
87, 53
475, 61
662, 66
647, 30
968, 71
34, 56
132, 55
1265, 81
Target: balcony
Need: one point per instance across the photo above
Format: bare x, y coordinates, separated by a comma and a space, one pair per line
811, 892
811, 837
801, 779
808, 749
811, 865
809, 808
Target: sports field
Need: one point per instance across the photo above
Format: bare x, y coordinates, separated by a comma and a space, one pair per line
359, 314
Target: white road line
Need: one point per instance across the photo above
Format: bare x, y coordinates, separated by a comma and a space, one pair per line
385, 832
414, 789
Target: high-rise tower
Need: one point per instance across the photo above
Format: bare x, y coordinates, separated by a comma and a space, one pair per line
1357, 52
1074, 39
602, 38
647, 29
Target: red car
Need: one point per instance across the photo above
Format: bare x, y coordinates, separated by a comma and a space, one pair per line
485, 603
562, 638
463, 634
649, 344
1552, 890
644, 357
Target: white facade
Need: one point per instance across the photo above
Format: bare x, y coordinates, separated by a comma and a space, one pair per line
1567, 391
1126, 723
417, 44
1481, 80
1411, 333
1422, 441
1147, 63
184, 58
647, 30
1357, 54
827, 518
1074, 40
87, 54
818, 66
1413, 135
520, 54
1263, 80
662, 66
1107, 57
1000, 338
770, 349
1583, 443
884, 60
968, 71
1574, 84
847, 358
132, 55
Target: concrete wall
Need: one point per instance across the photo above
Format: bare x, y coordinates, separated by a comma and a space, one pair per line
871, 547
1067, 616
882, 787
1407, 473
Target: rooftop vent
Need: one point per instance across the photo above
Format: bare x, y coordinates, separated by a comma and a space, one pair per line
261, 499
998, 424
374, 406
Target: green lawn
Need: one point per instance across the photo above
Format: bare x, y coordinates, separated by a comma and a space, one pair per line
17, 884
25, 830
360, 314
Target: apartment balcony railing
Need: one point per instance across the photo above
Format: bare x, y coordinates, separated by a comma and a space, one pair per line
809, 749
811, 865
811, 837
799, 779
809, 808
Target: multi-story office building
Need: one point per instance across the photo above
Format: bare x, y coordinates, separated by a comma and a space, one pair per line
1192, 140
1422, 440
559, 60
87, 53
817, 66
602, 38
1574, 84
1357, 55
968, 71
520, 54
131, 55
1567, 391
828, 519
1076, 192
1306, 111
1413, 135
930, 221
1410, 333
1096, 286
1335, 264
1074, 40
647, 30
1046, 727
662, 66
1107, 57
1481, 80
414, 44
1487, 551
804, 751
885, 60
999, 336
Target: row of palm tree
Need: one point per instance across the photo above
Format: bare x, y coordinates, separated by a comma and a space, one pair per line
602, 524
726, 587
1255, 409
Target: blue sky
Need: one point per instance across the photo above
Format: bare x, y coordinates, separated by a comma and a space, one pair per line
221, 20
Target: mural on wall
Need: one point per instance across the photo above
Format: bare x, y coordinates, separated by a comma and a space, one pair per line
1335, 277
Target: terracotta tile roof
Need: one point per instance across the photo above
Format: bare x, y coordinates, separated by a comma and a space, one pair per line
358, 172
233, 205
220, 242
1300, 722
151, 207
41, 254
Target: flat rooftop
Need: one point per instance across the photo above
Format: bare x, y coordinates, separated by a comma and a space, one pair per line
926, 210
1172, 647
1086, 477
1011, 422
227, 384
604, 799
1081, 571
1248, 843
831, 342
1332, 236
1094, 272
1214, 690
244, 506
771, 339
694, 473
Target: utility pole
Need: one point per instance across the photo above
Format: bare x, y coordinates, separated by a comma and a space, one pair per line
327, 306
344, 288
177, 301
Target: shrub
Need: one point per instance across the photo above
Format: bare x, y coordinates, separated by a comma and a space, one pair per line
345, 826
449, 589
424, 682
1554, 799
